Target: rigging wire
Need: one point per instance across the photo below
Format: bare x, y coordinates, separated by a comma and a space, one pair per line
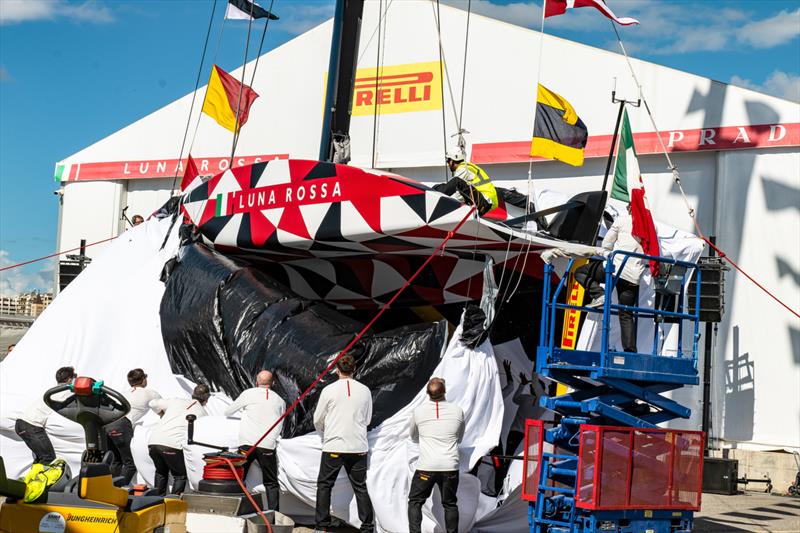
205, 95
375, 105
236, 126
255, 68
507, 295
194, 93
464, 75
677, 179
441, 86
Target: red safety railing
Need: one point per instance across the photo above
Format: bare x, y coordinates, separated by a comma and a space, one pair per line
638, 468
534, 442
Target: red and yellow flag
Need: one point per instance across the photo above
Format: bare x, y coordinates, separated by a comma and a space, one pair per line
222, 99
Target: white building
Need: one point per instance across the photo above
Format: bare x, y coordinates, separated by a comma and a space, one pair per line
736, 150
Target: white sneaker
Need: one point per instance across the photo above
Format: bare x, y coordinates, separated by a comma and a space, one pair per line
597, 302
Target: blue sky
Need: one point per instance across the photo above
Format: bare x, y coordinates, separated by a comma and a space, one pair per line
74, 71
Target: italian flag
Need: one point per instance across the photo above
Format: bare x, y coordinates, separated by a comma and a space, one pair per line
628, 187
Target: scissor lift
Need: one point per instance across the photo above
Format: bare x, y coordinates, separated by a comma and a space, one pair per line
606, 466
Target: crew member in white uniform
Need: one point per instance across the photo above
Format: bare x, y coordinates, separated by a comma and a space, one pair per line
120, 432
30, 426
262, 407
344, 410
438, 426
169, 435
592, 275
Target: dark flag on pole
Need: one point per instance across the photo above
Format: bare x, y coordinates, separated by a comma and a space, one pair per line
243, 9
558, 131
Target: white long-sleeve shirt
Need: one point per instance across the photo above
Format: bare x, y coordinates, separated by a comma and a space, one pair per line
139, 398
343, 413
439, 428
37, 412
262, 407
172, 429
620, 237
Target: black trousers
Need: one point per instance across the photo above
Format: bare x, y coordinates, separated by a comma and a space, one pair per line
355, 464
590, 276
421, 487
168, 461
467, 191
268, 461
118, 436
36, 439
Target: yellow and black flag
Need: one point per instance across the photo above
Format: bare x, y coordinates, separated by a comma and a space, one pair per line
558, 132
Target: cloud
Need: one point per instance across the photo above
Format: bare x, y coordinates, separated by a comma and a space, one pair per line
772, 31
667, 27
4, 75
17, 11
778, 83
300, 18
23, 279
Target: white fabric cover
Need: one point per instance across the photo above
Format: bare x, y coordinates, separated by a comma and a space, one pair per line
107, 322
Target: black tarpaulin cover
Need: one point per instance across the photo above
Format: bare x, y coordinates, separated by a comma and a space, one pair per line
223, 321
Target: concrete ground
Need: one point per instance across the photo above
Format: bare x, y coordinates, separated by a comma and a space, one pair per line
749, 511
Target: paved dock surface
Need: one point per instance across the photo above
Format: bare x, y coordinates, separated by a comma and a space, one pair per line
750, 511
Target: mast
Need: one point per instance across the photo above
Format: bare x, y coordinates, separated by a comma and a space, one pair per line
335, 141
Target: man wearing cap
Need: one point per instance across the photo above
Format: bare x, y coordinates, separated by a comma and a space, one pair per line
470, 181
120, 433
261, 407
438, 426
343, 412
169, 435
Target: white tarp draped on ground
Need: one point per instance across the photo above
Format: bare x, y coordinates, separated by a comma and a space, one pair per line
107, 321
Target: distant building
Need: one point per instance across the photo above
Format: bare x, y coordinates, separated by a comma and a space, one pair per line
27, 304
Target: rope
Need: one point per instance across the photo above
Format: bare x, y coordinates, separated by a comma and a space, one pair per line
205, 95
677, 179
724, 256
241, 84
361, 333
247, 493
441, 86
377, 85
464, 70
55, 254
194, 93
255, 68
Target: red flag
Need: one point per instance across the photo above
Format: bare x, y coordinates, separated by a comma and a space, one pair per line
190, 174
553, 8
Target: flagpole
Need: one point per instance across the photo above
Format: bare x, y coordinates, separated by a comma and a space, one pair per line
621, 102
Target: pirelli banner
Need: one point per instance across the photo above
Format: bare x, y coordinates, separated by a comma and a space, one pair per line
397, 89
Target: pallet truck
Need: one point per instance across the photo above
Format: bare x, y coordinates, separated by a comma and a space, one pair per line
91, 502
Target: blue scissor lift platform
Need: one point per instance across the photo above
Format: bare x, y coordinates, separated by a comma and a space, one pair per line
611, 468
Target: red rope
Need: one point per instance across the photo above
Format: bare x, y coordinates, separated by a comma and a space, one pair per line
724, 256
215, 472
247, 493
329, 368
56, 254
360, 333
